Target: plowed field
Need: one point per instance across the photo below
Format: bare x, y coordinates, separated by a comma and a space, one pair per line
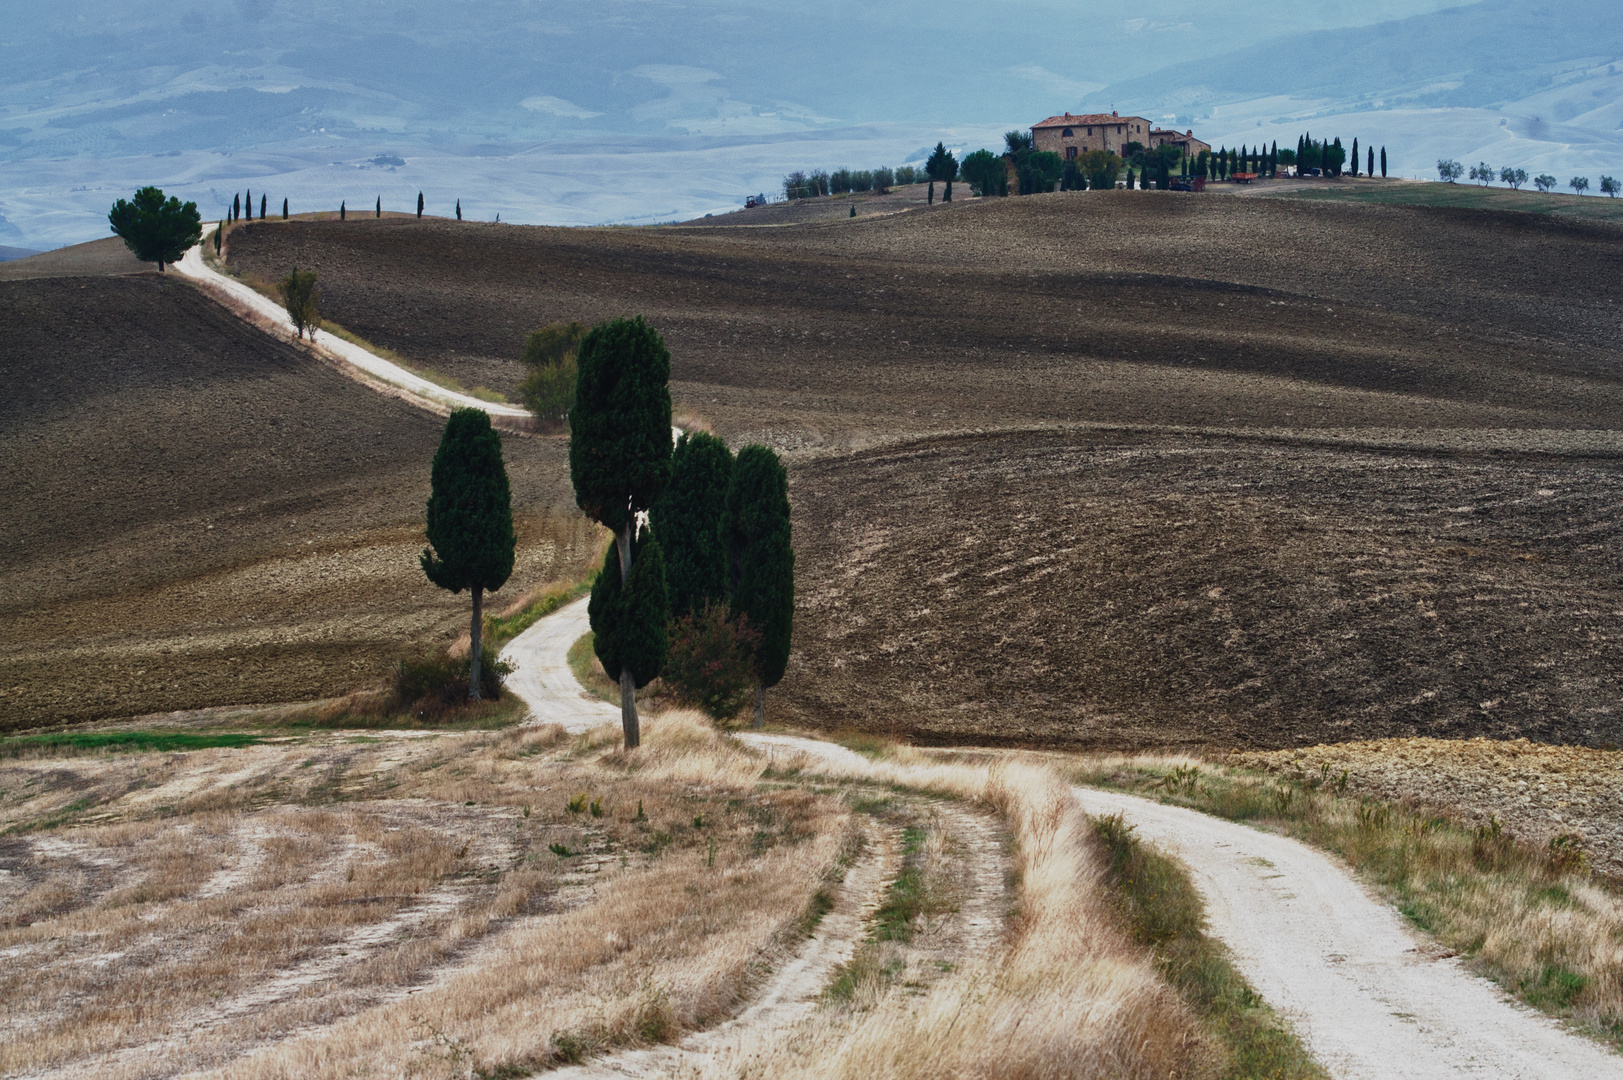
192, 514
1118, 470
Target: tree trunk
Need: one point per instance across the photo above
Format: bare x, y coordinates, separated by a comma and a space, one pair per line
474, 643
760, 705
628, 684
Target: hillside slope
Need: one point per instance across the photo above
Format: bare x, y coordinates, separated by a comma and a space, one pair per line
1255, 472
193, 514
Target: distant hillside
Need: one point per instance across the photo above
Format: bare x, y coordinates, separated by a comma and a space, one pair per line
9, 253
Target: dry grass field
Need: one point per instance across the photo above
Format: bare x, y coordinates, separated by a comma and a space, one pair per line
192, 514
451, 905
1151, 469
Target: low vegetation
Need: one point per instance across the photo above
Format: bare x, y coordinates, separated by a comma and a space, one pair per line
1531, 916
58, 744
1162, 911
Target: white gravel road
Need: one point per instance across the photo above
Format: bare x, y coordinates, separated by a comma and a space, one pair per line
269, 315
542, 678
1370, 997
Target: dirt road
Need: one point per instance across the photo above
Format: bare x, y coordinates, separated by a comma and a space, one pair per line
543, 679
1372, 1000
266, 313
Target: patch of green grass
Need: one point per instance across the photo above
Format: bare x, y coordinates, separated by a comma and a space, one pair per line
872, 747
88, 742
1463, 196
905, 899
582, 662
1161, 909
500, 629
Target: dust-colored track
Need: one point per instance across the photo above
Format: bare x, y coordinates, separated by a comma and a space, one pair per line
1372, 1000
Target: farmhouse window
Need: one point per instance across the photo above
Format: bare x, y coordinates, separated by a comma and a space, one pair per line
1070, 153
1067, 133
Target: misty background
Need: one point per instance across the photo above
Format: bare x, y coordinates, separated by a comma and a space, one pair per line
644, 110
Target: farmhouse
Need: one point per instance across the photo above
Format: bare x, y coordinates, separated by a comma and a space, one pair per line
1071, 134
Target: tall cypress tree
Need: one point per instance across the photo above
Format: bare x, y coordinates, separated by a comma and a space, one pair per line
620, 462
342, 211
470, 520
248, 206
459, 209
1355, 156
236, 207
1383, 163
284, 209
761, 561
629, 617
377, 211
1371, 170
419, 205
687, 520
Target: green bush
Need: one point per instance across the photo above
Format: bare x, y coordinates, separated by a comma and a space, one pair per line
708, 664
549, 389
439, 679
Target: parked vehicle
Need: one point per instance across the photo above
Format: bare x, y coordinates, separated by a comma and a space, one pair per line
753, 201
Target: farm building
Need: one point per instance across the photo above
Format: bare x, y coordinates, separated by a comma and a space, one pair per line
1069, 135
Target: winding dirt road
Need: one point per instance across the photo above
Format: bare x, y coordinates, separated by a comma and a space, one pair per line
1371, 998
270, 316
542, 679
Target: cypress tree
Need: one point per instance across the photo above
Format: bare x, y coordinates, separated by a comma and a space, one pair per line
341, 211
284, 209
470, 520
1370, 171
236, 207
930, 199
687, 519
218, 229
377, 211
262, 198
620, 462
761, 561
1355, 156
419, 205
248, 206
459, 209
1383, 163
629, 617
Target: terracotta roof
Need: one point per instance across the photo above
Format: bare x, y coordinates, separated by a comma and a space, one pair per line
1086, 120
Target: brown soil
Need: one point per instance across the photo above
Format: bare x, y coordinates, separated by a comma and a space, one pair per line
1137, 308
1536, 792
1152, 590
1237, 511
192, 514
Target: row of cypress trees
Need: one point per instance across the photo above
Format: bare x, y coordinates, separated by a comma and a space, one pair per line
243, 209
724, 522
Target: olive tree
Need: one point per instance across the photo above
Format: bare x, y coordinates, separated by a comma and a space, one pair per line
302, 299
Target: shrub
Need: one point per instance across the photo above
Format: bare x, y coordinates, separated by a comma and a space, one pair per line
549, 390
302, 299
439, 679
709, 662
907, 174
883, 179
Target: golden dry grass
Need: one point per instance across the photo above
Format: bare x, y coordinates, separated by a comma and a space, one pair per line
1070, 997
1524, 911
179, 938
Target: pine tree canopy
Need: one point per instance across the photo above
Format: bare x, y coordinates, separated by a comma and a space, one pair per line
155, 229
620, 427
628, 621
687, 518
470, 514
761, 558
